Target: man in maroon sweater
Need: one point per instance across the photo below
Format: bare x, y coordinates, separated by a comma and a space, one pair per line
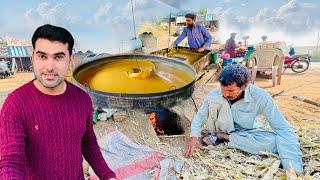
46, 125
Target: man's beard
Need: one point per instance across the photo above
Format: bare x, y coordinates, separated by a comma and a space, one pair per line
190, 25
231, 98
235, 97
49, 84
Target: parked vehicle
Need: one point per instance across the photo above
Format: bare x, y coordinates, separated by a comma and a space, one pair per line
297, 63
4, 70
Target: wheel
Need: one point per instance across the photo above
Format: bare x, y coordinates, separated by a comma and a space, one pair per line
7, 74
300, 66
307, 58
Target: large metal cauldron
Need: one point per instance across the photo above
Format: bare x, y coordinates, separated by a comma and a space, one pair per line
146, 100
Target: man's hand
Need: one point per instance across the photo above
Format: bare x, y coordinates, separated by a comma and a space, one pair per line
170, 48
223, 136
193, 143
200, 49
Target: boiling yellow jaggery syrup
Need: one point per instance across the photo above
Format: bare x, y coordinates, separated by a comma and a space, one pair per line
119, 77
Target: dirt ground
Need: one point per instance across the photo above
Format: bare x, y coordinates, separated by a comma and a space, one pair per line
9, 84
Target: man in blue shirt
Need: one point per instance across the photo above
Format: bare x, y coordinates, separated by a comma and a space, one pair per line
199, 37
231, 114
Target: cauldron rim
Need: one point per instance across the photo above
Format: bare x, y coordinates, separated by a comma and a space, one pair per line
180, 93
94, 59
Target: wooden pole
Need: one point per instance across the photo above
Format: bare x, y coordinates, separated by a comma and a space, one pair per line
169, 31
300, 98
21, 63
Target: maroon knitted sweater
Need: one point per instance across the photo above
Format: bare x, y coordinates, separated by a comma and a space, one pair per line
44, 136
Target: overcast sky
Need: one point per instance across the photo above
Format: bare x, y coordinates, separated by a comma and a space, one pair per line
101, 25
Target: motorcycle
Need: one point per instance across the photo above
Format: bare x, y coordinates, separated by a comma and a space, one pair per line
297, 63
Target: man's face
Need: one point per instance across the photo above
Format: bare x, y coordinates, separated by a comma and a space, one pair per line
232, 91
50, 62
189, 21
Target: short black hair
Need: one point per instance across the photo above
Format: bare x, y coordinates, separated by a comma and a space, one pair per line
191, 16
53, 33
234, 74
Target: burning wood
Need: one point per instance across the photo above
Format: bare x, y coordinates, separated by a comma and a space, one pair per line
165, 122
153, 119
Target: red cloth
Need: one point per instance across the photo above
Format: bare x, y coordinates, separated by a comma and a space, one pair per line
44, 137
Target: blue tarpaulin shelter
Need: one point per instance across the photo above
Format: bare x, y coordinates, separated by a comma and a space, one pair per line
19, 56
18, 51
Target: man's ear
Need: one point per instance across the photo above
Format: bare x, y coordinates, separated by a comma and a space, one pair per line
72, 58
31, 58
245, 86
72, 63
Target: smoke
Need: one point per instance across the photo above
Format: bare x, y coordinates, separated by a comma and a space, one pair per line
293, 22
174, 3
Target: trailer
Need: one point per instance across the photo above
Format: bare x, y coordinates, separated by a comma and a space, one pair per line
198, 60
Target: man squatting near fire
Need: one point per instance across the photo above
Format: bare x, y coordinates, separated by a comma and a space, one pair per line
231, 112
